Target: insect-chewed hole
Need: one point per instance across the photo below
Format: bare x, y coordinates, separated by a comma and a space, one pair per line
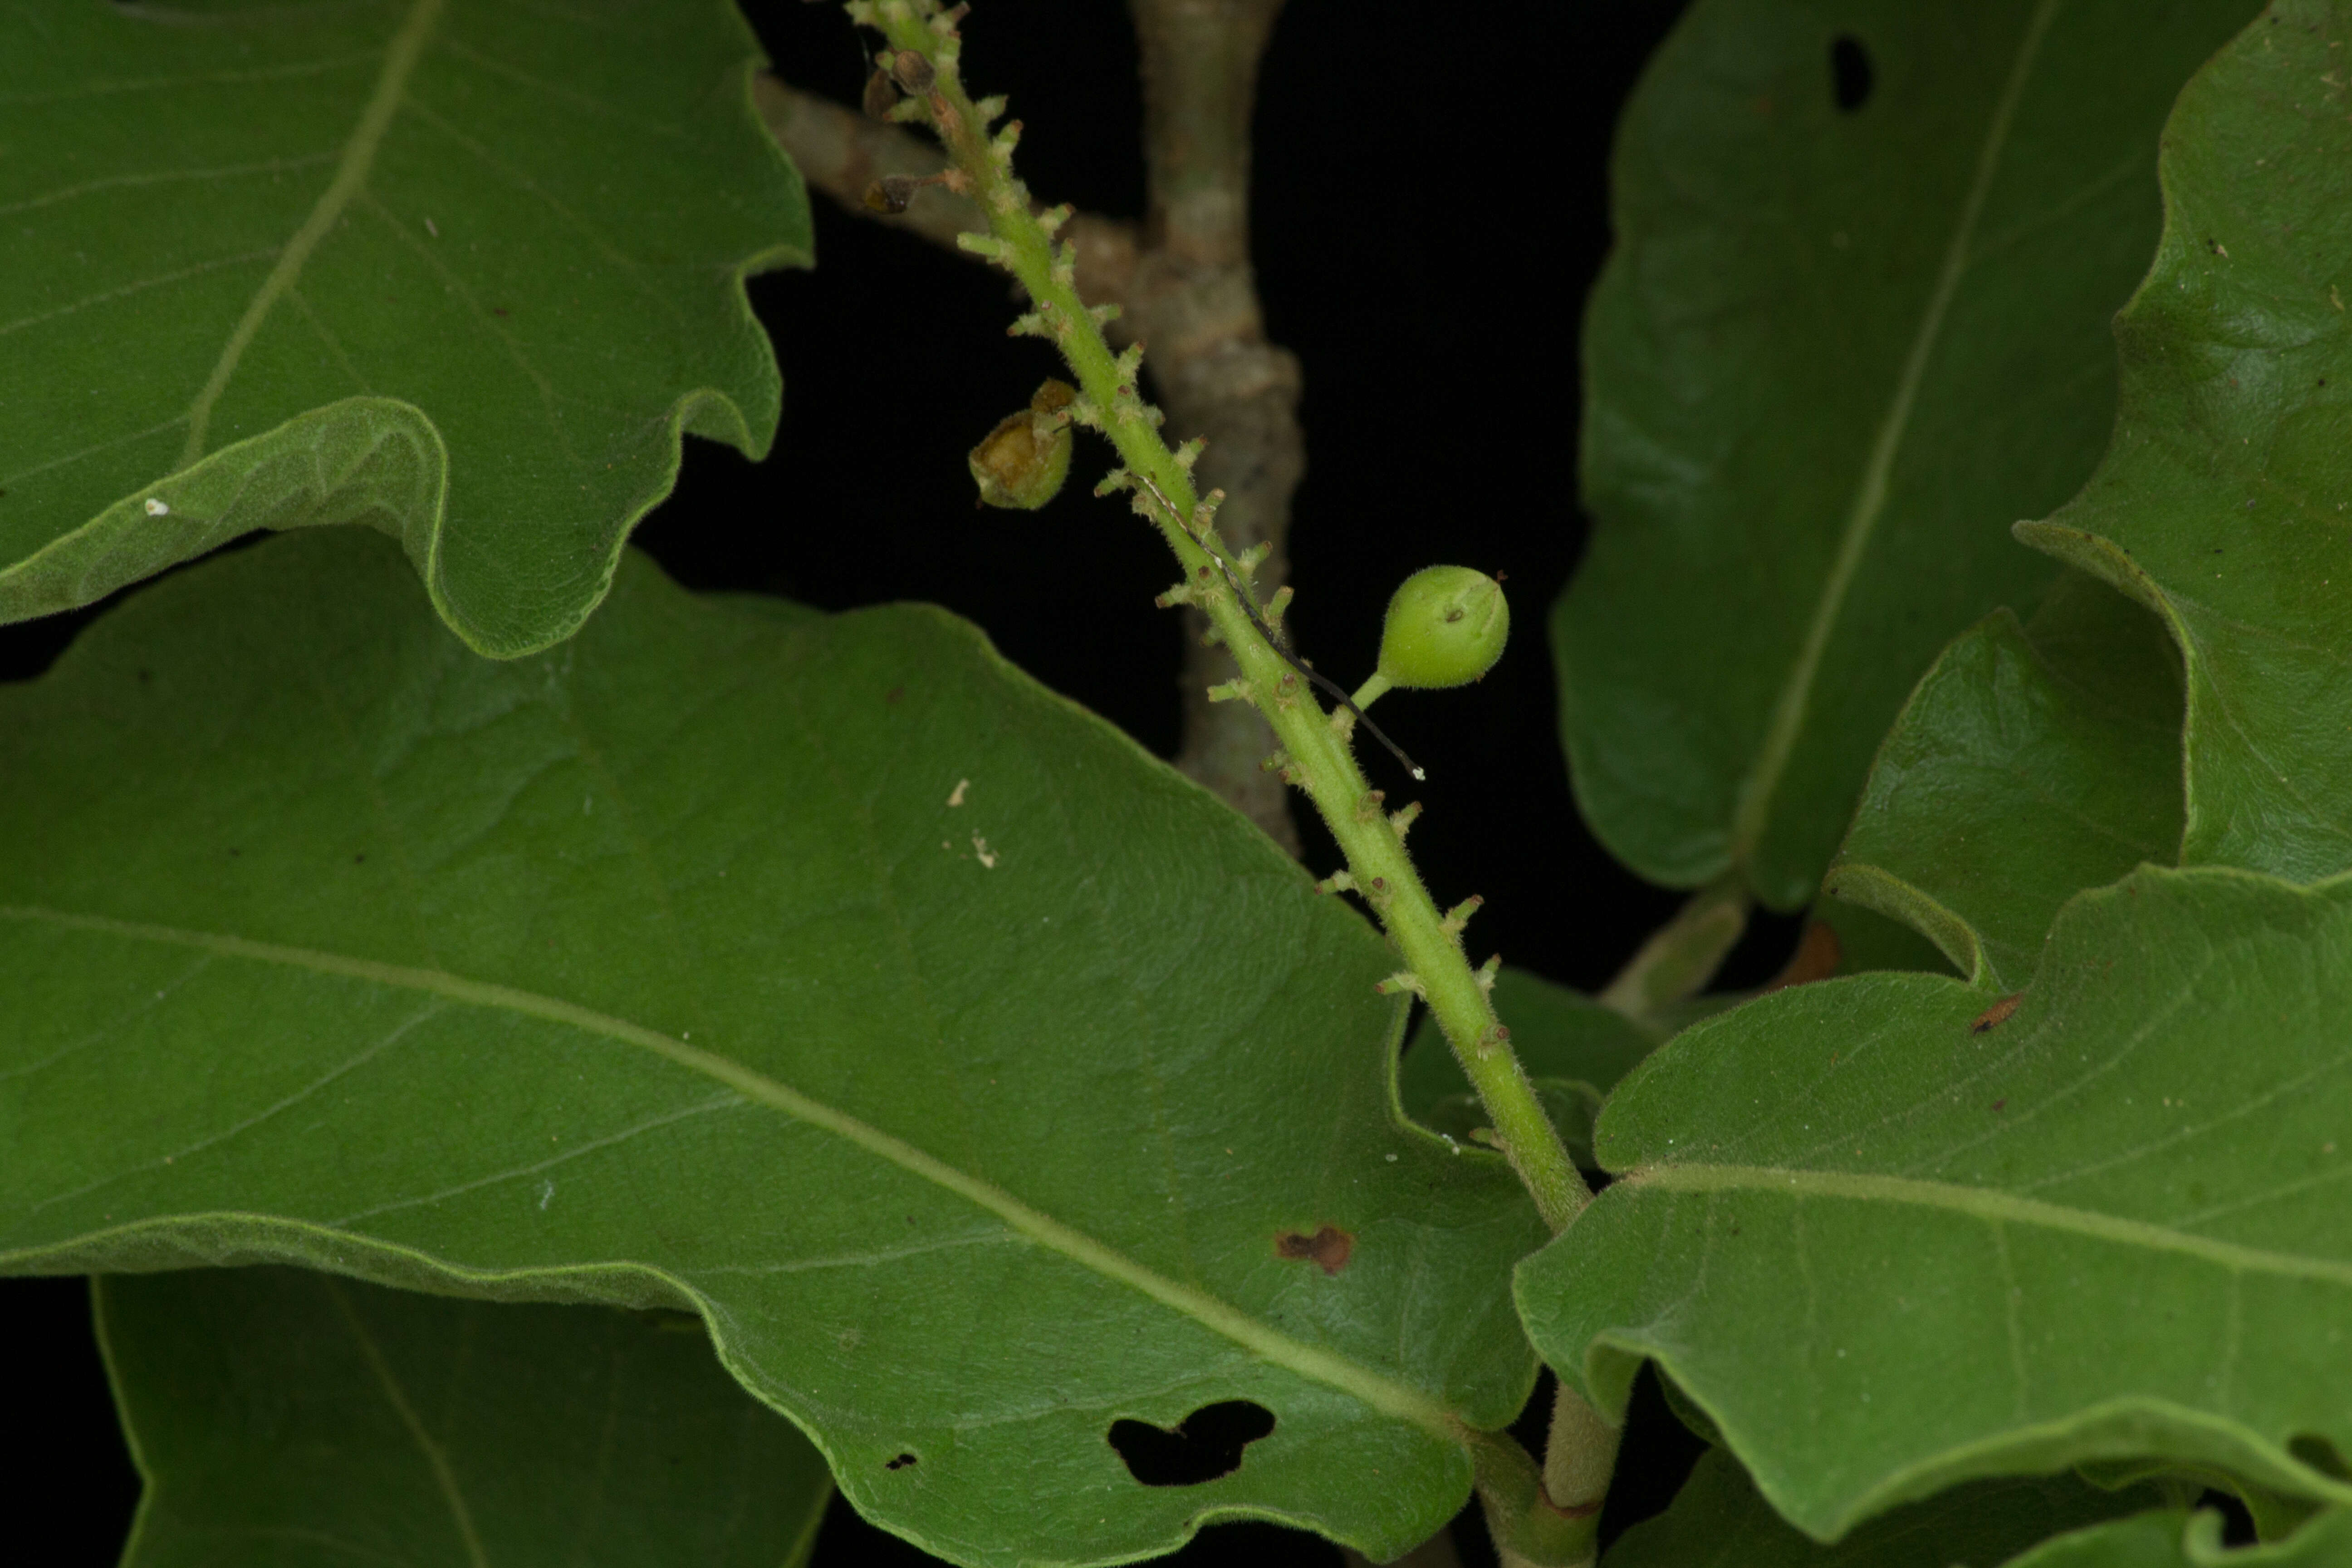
1205, 1444
1850, 73
899, 1463
2320, 1454
2237, 1519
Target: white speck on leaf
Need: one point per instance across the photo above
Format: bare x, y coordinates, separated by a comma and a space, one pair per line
956, 796
546, 1194
587, 803
431, 230
157, 507
980, 851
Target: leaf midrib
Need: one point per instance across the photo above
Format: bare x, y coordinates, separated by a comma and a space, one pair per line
352, 171
1990, 1205
1757, 793
436, 1457
1382, 1394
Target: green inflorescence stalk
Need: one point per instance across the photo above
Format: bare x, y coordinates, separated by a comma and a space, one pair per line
1315, 752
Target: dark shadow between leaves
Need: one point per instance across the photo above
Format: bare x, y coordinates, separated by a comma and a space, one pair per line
2320, 1454
1203, 1445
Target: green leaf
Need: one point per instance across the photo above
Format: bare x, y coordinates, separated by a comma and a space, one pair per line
1573, 1047
2031, 763
283, 1416
1832, 358
1868, 941
982, 1083
2222, 503
2160, 1541
1716, 1520
1890, 1241
460, 270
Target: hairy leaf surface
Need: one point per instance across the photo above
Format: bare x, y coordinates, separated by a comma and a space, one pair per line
1836, 354
462, 270
1717, 1520
981, 1083
282, 1416
2225, 502
1889, 1240
2031, 762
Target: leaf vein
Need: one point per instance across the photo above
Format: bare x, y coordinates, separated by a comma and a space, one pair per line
1988, 1205
1374, 1389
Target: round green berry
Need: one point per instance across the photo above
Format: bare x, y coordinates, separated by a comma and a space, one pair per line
1447, 626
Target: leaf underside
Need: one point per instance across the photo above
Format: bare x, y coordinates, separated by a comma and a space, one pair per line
281, 1416
1835, 353
450, 269
981, 1082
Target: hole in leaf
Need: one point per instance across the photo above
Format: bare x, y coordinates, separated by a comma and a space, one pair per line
2320, 1455
1205, 1444
2237, 1521
900, 1462
1850, 73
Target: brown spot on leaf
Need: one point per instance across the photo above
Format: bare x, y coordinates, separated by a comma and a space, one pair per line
1327, 1247
895, 693
1998, 1014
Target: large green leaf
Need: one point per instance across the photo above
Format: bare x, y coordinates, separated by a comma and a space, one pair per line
283, 1417
1888, 1239
462, 270
981, 1082
1716, 1520
1834, 357
2164, 1541
2223, 503
2031, 763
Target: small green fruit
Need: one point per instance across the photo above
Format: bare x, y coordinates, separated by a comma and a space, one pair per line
1447, 626
1025, 459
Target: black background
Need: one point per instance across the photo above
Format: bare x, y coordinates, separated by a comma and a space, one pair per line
1429, 213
